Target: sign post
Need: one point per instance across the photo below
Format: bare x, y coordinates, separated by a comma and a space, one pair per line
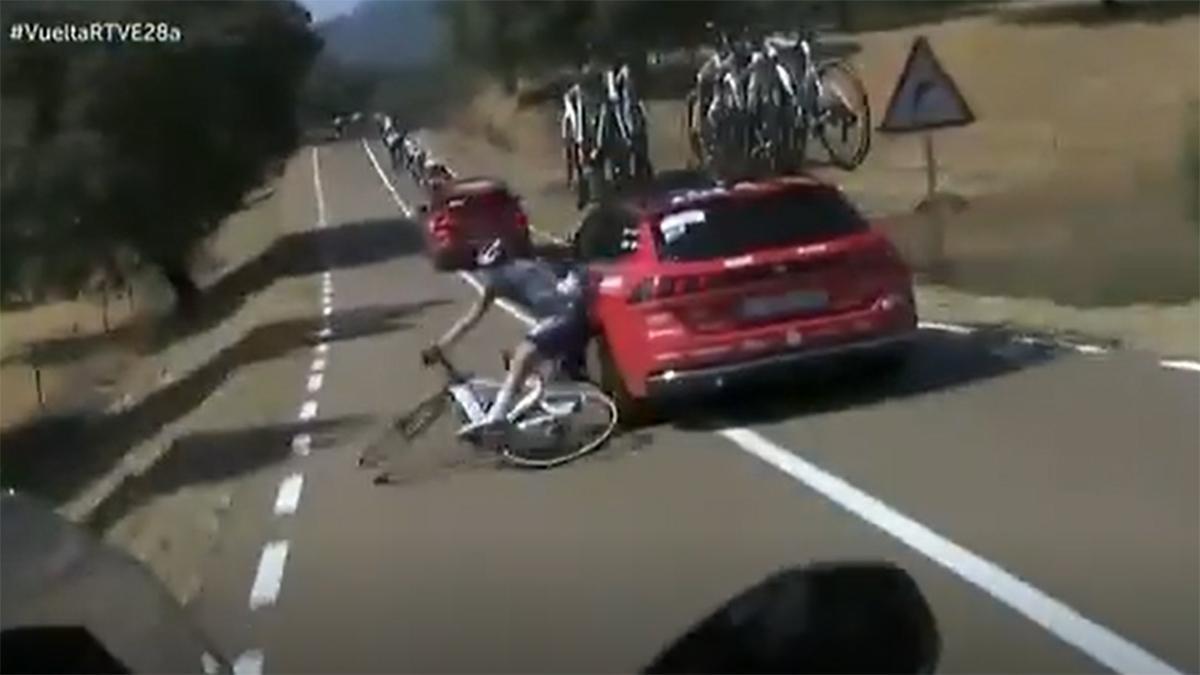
930, 166
925, 99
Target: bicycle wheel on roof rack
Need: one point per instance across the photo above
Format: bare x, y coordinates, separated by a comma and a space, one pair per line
573, 420
843, 115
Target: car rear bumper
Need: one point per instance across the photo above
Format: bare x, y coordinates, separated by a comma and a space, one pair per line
707, 379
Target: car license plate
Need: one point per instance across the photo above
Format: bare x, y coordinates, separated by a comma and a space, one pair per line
788, 303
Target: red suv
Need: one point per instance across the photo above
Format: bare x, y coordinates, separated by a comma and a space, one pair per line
467, 213
699, 288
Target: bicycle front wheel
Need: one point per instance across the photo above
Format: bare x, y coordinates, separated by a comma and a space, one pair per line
573, 420
843, 115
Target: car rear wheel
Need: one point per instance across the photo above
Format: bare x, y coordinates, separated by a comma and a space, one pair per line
602, 368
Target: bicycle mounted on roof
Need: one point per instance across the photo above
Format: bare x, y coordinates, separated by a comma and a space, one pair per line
757, 101
603, 131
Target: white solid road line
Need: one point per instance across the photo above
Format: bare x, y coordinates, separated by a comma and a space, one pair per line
506, 305
947, 327
1181, 364
289, 495
269, 576
249, 663
302, 444
386, 182
1095, 640
314, 382
308, 411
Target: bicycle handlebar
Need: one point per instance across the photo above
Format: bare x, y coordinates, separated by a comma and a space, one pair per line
452, 373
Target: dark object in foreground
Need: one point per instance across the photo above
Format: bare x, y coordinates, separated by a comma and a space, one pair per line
73, 604
825, 618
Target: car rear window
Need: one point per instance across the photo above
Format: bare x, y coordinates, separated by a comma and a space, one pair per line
480, 200
731, 227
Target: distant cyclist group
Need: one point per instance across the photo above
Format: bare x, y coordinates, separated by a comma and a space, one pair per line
406, 152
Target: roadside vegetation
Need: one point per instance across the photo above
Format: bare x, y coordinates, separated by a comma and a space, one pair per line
121, 156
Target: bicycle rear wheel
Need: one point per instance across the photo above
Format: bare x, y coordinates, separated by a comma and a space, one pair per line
844, 116
561, 439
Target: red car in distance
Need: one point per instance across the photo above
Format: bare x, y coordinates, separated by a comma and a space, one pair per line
697, 289
466, 214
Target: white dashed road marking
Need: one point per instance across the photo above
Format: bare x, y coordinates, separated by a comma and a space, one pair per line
314, 382
1180, 364
1091, 638
269, 577
302, 444
316, 162
249, 663
308, 411
289, 495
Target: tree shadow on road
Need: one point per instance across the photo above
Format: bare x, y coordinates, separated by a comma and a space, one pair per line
56, 457
939, 361
294, 255
214, 456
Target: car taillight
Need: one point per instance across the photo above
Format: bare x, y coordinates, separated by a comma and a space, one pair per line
440, 222
522, 220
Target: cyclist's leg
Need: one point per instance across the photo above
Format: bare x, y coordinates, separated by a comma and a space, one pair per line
524, 358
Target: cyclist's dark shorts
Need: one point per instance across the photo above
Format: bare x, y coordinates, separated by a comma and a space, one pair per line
560, 336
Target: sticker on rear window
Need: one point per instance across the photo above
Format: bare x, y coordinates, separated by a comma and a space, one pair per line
676, 225
691, 195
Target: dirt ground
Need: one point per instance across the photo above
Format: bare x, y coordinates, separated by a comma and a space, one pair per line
1077, 201
88, 354
121, 405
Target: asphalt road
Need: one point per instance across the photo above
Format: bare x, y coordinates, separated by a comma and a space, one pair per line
1045, 500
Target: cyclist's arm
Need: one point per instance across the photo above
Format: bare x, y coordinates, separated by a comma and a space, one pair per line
468, 320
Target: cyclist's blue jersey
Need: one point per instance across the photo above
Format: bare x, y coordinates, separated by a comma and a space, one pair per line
546, 290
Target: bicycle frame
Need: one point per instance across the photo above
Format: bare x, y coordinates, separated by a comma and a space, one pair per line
465, 391
573, 117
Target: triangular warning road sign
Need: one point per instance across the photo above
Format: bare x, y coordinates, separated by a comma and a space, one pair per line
925, 97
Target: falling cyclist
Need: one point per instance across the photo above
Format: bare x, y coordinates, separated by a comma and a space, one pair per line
555, 293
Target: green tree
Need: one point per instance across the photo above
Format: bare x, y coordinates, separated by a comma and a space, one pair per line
137, 151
